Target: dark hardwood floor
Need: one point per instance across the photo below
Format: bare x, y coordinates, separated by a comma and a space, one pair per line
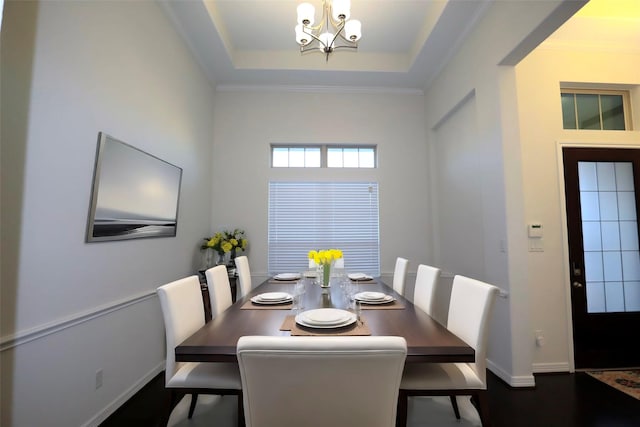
562, 400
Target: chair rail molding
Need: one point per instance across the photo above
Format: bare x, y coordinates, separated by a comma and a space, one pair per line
22, 337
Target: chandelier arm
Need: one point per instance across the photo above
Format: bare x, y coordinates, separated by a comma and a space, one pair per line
313, 36
340, 30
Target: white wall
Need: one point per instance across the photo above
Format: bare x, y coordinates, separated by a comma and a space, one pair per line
70, 70
538, 79
470, 114
248, 122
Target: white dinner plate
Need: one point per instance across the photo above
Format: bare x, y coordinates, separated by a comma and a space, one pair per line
255, 300
348, 319
326, 316
359, 276
370, 296
387, 299
287, 276
272, 298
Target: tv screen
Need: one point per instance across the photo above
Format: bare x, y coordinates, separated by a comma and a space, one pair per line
135, 195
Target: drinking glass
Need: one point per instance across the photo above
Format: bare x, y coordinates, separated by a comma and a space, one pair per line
298, 295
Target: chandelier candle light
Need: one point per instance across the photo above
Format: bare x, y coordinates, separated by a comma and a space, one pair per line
335, 30
324, 260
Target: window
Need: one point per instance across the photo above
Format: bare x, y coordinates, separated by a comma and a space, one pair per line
295, 157
598, 110
351, 157
323, 215
331, 156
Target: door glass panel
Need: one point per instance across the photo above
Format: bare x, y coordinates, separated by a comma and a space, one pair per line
593, 266
588, 176
628, 236
591, 236
589, 206
595, 297
631, 265
612, 266
632, 296
606, 176
624, 176
608, 205
610, 236
614, 296
627, 205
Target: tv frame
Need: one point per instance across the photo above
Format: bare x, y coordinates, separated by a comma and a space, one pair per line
126, 182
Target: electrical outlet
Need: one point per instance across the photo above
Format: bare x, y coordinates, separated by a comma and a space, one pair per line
539, 338
98, 378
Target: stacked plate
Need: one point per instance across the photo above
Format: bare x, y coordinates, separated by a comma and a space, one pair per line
359, 277
271, 298
373, 298
287, 276
326, 318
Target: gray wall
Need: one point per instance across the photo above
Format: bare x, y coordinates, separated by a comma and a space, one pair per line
70, 70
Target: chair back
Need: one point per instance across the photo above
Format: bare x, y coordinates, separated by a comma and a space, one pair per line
183, 313
423, 294
321, 381
400, 275
219, 289
244, 275
469, 310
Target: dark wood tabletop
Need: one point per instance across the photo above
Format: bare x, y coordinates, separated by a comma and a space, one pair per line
427, 340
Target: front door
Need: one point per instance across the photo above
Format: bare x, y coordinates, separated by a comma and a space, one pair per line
601, 188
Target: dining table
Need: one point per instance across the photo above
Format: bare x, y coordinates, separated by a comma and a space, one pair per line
427, 340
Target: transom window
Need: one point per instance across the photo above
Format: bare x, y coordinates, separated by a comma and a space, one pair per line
295, 157
323, 215
325, 156
597, 110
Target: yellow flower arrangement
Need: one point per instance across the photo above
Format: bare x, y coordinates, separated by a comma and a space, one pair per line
324, 259
226, 241
325, 256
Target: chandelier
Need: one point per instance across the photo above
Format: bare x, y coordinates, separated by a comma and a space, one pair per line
335, 30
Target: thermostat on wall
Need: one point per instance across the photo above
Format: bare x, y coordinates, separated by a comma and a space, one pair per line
535, 230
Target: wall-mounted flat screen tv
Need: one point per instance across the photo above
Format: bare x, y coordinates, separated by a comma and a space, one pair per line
135, 195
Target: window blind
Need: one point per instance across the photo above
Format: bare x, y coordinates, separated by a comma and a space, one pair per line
323, 215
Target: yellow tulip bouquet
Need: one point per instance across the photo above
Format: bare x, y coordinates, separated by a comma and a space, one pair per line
324, 259
226, 241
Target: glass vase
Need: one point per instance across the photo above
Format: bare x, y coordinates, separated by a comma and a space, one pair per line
323, 275
221, 260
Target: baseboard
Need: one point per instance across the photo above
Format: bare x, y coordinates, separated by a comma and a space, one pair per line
540, 368
513, 381
126, 395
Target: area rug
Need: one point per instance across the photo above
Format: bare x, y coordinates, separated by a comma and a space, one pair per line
626, 381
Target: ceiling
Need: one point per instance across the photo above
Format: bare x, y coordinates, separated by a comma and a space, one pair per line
404, 45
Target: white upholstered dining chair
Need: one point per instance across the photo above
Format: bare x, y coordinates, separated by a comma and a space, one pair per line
321, 381
183, 313
219, 289
244, 276
469, 310
425, 289
400, 275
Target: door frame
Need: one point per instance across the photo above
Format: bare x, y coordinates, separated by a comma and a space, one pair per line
560, 144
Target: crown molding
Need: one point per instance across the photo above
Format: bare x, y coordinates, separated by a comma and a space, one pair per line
320, 89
